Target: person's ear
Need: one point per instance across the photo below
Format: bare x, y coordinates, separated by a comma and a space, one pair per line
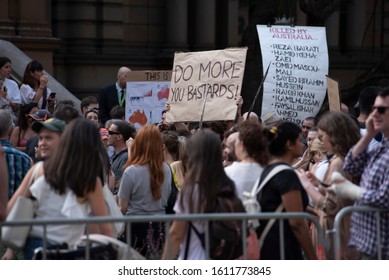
290, 145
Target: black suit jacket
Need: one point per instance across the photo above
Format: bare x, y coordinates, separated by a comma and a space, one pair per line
107, 100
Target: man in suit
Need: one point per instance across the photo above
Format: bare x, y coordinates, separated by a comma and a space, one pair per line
113, 95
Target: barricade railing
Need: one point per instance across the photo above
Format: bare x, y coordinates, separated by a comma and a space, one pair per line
337, 225
167, 219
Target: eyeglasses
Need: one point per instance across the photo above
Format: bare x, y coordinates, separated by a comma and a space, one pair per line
113, 132
380, 109
306, 127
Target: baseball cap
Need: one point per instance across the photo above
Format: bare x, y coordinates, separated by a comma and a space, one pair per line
52, 124
103, 133
41, 115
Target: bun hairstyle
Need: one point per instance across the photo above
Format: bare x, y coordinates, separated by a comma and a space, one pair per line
279, 136
251, 134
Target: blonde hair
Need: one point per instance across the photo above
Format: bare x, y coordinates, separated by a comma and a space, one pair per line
317, 145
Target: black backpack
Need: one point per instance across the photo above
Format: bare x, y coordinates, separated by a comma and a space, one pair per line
225, 236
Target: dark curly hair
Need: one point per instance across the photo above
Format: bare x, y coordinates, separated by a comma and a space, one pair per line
254, 141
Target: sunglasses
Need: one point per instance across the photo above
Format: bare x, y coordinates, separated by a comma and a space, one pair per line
113, 132
380, 109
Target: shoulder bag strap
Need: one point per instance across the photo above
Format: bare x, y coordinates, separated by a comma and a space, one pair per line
35, 173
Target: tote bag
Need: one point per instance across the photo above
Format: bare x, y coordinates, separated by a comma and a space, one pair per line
15, 236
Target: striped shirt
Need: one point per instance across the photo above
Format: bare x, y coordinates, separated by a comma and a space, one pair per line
373, 165
18, 164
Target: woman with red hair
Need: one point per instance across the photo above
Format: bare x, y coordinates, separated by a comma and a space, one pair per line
145, 189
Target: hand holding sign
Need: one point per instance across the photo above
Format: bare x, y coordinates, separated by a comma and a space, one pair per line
205, 85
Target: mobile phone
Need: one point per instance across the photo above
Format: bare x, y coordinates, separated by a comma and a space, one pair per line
52, 94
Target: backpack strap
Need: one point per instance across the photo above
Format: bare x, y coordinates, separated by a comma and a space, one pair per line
187, 240
269, 225
257, 188
280, 207
199, 236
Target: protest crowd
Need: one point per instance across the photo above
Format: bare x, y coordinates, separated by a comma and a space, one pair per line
72, 163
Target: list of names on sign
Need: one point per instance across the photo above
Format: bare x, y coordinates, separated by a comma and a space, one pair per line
295, 87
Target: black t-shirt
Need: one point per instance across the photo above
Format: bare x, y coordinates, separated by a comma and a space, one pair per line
269, 199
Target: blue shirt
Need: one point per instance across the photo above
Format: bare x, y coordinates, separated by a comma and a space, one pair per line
18, 164
373, 165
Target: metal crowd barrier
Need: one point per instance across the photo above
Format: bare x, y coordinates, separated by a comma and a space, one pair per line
167, 219
337, 225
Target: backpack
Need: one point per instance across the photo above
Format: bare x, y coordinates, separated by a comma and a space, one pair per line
225, 236
252, 205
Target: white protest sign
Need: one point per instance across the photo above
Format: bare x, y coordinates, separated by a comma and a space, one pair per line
146, 95
213, 78
295, 87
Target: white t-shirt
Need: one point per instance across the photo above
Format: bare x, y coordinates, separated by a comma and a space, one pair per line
244, 176
321, 169
196, 250
136, 189
51, 205
27, 94
13, 92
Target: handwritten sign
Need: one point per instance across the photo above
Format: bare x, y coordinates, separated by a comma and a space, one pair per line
333, 94
295, 87
146, 95
210, 78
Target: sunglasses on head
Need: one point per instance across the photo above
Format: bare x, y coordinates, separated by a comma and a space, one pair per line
380, 109
113, 132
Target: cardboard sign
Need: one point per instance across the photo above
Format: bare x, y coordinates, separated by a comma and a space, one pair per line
146, 95
333, 94
295, 87
209, 81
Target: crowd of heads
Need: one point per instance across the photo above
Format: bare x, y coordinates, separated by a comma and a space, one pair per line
69, 141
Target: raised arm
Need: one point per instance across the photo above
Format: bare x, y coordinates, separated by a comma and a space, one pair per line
363, 143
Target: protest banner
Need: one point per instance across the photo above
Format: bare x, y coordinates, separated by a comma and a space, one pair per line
295, 87
212, 79
146, 95
333, 94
